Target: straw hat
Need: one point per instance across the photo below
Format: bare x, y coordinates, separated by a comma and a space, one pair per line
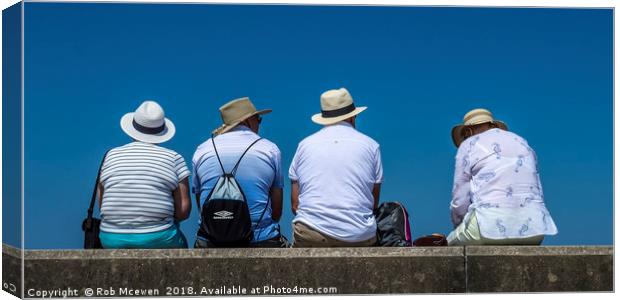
474, 117
148, 124
235, 112
336, 105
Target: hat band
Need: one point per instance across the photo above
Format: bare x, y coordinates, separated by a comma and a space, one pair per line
338, 112
148, 130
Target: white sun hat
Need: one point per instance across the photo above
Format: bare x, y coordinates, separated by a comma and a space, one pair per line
336, 105
148, 124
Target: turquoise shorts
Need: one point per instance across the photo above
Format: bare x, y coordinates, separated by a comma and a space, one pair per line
169, 238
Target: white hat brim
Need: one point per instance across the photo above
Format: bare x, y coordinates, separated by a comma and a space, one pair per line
319, 119
164, 136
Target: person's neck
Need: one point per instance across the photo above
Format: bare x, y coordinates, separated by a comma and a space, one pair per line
483, 130
240, 127
342, 123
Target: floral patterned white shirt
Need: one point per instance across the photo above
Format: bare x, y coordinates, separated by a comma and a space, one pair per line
496, 176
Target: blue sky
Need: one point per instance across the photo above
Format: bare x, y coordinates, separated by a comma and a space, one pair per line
546, 72
11, 128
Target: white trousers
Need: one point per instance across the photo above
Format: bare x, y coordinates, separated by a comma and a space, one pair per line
468, 233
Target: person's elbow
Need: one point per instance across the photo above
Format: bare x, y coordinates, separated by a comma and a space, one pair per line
376, 192
182, 201
276, 211
276, 215
181, 216
183, 213
276, 203
294, 196
457, 212
294, 204
456, 220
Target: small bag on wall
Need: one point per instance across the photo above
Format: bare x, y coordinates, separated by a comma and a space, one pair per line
432, 240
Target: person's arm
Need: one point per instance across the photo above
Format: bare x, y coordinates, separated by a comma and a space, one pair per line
276, 203
100, 193
196, 184
460, 202
198, 202
99, 184
461, 198
376, 190
293, 176
294, 196
276, 192
182, 202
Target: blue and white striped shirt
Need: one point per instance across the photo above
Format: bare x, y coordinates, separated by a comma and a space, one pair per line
138, 180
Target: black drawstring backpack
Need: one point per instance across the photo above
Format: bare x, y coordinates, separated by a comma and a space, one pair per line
225, 216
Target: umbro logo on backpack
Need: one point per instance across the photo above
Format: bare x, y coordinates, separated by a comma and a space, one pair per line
222, 214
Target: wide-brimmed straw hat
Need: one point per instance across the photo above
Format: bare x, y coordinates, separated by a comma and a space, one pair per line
235, 112
474, 117
336, 105
148, 124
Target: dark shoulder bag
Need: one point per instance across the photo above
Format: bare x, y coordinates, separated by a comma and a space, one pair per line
91, 225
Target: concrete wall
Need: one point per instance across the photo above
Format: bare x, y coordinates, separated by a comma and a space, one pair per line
11, 270
539, 269
349, 270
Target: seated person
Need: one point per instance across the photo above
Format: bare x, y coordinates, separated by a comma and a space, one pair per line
258, 173
336, 177
144, 188
497, 196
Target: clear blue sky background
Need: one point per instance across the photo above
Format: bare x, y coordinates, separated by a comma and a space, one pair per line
546, 72
11, 126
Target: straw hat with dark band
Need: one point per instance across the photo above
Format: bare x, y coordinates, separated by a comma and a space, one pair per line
336, 105
148, 124
235, 112
474, 117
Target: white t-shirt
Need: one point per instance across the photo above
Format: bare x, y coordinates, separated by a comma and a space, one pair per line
337, 168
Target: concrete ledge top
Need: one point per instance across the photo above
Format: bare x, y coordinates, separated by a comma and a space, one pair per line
245, 253
12, 251
537, 250
310, 252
